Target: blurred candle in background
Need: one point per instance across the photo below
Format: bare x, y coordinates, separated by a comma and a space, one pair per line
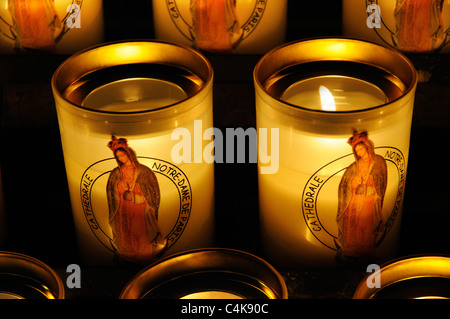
407, 25
223, 26
59, 26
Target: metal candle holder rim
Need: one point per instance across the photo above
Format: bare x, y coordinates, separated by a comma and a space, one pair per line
404, 268
157, 51
198, 261
12, 262
335, 49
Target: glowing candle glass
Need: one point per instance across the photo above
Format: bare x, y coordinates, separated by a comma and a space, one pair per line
338, 192
415, 277
117, 106
55, 26
225, 26
208, 274
407, 25
24, 277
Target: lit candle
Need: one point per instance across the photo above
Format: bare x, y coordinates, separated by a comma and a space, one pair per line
414, 277
25, 277
407, 25
129, 198
338, 192
225, 26
59, 26
212, 273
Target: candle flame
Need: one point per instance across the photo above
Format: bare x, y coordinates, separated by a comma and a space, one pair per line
326, 99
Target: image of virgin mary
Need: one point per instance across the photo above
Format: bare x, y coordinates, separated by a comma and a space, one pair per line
216, 26
361, 194
35, 24
133, 199
419, 25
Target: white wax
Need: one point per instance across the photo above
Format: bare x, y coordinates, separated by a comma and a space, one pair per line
135, 94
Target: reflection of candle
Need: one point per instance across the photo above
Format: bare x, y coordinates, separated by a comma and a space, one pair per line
22, 287
211, 295
130, 179
340, 167
207, 274
6, 295
224, 26
408, 25
24, 277
60, 26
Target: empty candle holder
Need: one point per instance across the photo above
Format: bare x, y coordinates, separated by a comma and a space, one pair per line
120, 107
208, 274
25, 277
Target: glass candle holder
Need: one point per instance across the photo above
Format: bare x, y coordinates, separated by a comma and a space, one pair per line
341, 110
25, 277
120, 106
208, 274
407, 25
415, 277
50, 26
222, 26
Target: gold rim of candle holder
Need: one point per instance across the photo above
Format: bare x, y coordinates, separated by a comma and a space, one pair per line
126, 53
12, 263
248, 274
403, 269
393, 66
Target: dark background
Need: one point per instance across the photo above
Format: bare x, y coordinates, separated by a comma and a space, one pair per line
38, 214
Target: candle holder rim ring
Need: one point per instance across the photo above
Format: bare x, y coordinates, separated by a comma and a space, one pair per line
58, 85
404, 268
202, 261
38, 267
272, 55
